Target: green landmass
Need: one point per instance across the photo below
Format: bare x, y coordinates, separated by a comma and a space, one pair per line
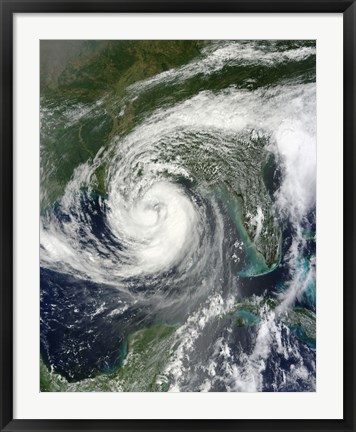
149, 350
83, 87
300, 320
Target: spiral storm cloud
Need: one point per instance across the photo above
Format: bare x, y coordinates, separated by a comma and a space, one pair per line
178, 216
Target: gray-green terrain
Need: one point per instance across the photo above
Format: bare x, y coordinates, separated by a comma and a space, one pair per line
178, 216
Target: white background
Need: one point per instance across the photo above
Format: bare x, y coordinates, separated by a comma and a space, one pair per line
327, 401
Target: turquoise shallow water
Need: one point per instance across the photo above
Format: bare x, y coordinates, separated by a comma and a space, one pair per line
178, 225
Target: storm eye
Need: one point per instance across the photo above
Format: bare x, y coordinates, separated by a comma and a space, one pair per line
178, 215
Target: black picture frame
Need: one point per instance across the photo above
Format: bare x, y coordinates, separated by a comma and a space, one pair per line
8, 9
